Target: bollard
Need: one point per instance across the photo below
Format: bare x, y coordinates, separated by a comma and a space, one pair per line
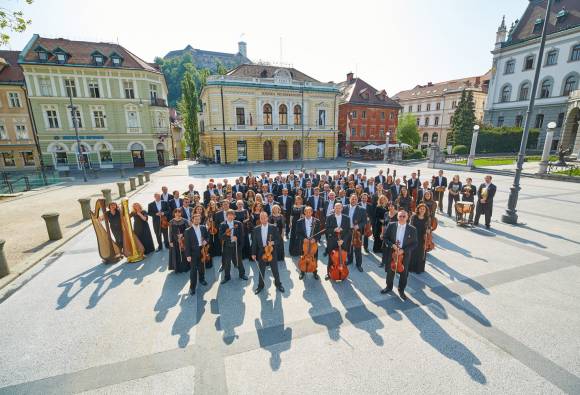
107, 196
121, 186
4, 271
140, 177
52, 226
147, 176
86, 207
132, 183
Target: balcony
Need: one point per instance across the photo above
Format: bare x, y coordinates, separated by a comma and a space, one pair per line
161, 131
155, 101
133, 129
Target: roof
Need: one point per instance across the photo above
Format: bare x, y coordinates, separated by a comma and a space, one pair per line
11, 72
264, 71
565, 14
361, 93
440, 88
80, 53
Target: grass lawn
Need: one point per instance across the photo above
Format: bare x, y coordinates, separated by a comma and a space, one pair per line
574, 172
501, 160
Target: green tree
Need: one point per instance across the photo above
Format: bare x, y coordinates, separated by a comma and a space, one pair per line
220, 68
463, 121
12, 21
407, 131
188, 106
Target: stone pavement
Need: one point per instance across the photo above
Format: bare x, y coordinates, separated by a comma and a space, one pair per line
495, 311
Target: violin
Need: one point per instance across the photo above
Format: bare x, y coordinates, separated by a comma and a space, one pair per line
434, 224
164, 223
212, 229
397, 264
368, 231
181, 242
356, 238
429, 244
338, 270
268, 250
205, 256
413, 199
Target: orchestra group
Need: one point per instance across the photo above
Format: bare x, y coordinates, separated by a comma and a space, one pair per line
250, 218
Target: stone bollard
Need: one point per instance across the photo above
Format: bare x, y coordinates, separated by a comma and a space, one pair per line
132, 183
147, 176
140, 177
121, 186
107, 196
52, 226
4, 271
85, 207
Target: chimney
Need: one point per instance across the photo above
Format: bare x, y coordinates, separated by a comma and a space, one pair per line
242, 49
429, 83
349, 77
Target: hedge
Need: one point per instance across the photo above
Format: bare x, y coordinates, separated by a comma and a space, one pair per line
460, 150
412, 154
504, 139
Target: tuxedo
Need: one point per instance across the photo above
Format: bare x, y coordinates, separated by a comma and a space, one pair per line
315, 201
380, 179
326, 207
239, 188
207, 195
359, 217
229, 248
485, 208
166, 197
439, 182
345, 233
258, 242
175, 203
152, 210
193, 251
409, 244
395, 190
187, 214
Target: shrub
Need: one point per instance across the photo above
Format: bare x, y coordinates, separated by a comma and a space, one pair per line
504, 139
460, 150
412, 154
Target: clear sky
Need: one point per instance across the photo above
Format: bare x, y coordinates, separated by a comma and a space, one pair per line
391, 44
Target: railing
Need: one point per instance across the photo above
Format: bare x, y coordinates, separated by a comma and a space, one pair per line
12, 186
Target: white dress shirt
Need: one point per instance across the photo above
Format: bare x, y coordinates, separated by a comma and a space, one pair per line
401, 234
158, 204
351, 210
231, 226
330, 207
308, 226
197, 231
338, 220
177, 203
264, 229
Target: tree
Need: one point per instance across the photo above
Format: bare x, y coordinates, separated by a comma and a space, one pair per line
463, 121
407, 131
188, 106
12, 21
220, 68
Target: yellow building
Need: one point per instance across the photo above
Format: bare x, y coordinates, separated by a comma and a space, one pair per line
264, 113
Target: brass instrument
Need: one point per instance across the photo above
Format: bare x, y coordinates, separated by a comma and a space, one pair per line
132, 247
484, 193
108, 249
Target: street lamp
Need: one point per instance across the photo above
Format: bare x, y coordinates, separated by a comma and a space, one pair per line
471, 157
80, 157
387, 141
547, 146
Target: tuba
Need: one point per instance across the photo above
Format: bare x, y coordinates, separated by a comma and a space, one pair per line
108, 249
132, 247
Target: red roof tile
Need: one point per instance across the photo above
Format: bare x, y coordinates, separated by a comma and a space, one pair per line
11, 72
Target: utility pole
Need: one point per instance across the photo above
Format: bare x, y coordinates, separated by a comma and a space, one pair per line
73, 114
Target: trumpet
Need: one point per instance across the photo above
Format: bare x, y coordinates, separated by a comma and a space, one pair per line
132, 247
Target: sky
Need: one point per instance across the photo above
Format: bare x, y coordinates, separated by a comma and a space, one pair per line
393, 45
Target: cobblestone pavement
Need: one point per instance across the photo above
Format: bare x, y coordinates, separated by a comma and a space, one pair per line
495, 311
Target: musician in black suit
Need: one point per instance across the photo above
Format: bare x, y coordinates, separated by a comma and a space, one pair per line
396, 189
176, 202
370, 211
239, 186
485, 195
187, 211
286, 203
315, 201
441, 182
337, 224
380, 179
270, 202
158, 208
207, 194
308, 227
358, 219
263, 235
196, 236
165, 195
232, 245
406, 236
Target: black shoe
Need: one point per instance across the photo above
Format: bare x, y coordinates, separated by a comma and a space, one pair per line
327, 277
402, 295
225, 280
476, 224
301, 276
367, 250
203, 282
221, 269
487, 227
316, 276
258, 290
159, 248
167, 246
381, 264
244, 277
386, 290
192, 291
348, 263
359, 268
280, 288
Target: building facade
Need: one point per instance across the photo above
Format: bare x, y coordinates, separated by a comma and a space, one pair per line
119, 101
17, 145
434, 104
515, 60
366, 116
264, 113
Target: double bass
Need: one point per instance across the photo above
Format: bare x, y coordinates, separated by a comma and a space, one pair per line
338, 270
397, 261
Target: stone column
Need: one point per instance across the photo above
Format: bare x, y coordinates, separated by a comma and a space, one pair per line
52, 226
121, 186
140, 177
471, 157
147, 176
132, 183
4, 271
107, 196
546, 153
86, 207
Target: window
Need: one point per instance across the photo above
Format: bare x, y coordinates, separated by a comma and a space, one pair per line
418, 108
129, 90
436, 121
551, 58
153, 92
70, 87
570, 85
353, 132
418, 121
116, 61
52, 119
538, 26
363, 131
382, 115
3, 134
524, 91
510, 67
435, 138
438, 106
546, 89
519, 120
560, 121
61, 58
506, 92
354, 115
132, 119
454, 104
240, 116
529, 62
283, 114
28, 158
99, 119
14, 99
297, 115
94, 89
78, 119
42, 56
60, 157
499, 122
575, 54
267, 114
411, 108
392, 115
45, 86
539, 121
561, 15
425, 137
382, 132
428, 107
363, 114
98, 59
322, 117
105, 155
8, 158
21, 132
426, 121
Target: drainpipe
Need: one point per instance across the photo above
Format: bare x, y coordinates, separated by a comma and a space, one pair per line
224, 125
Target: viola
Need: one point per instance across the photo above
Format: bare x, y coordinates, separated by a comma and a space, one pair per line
413, 199
164, 223
181, 242
356, 238
434, 224
205, 256
338, 270
429, 244
397, 261
212, 228
268, 250
368, 231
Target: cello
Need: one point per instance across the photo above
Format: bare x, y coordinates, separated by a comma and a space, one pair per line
338, 270
308, 262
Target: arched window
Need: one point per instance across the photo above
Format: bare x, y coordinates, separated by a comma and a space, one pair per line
267, 114
546, 88
506, 93
435, 138
297, 115
283, 114
425, 137
524, 91
570, 85
105, 154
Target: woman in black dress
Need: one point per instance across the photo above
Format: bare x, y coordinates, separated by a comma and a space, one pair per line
141, 228
114, 217
392, 213
296, 213
243, 216
421, 220
404, 200
277, 219
378, 222
430, 203
177, 227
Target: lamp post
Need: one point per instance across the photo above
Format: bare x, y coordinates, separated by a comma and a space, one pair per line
471, 157
387, 141
73, 111
511, 216
547, 145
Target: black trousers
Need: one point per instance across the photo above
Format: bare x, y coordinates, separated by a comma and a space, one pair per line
485, 209
366, 242
391, 273
287, 220
159, 233
439, 198
197, 270
262, 267
229, 258
451, 200
357, 252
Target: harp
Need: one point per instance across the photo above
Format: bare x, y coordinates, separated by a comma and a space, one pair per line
108, 249
132, 247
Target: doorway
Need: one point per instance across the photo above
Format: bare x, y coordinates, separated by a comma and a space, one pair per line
217, 154
283, 150
268, 150
138, 155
